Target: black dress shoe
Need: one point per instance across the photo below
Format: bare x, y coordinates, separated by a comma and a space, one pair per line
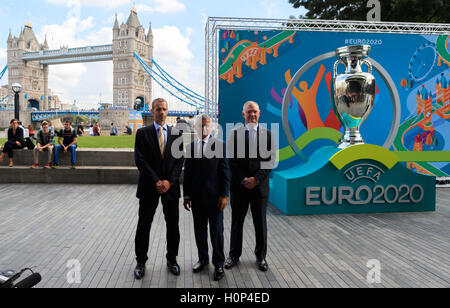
262, 265
174, 268
139, 271
230, 262
199, 266
219, 273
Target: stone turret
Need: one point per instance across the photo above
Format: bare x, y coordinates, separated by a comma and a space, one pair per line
45, 46
130, 80
31, 75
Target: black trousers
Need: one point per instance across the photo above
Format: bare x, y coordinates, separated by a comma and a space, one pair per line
240, 202
9, 147
147, 209
204, 212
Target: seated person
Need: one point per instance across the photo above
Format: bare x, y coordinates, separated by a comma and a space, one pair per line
15, 141
67, 141
44, 144
80, 130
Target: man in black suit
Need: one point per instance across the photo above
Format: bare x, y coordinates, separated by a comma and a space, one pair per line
207, 177
252, 153
159, 158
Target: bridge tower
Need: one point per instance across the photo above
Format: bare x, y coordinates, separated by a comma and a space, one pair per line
31, 75
130, 80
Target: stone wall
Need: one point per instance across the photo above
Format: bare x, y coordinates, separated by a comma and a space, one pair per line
118, 117
5, 118
7, 115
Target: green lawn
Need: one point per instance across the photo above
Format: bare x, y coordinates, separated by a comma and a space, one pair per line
118, 142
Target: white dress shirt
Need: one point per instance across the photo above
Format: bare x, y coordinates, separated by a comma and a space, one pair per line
253, 132
199, 149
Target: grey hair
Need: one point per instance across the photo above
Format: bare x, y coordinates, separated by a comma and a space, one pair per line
201, 118
248, 104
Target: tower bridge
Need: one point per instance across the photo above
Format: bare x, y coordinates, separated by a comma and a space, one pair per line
71, 55
29, 62
38, 116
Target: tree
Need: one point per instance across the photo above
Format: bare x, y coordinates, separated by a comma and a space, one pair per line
424, 11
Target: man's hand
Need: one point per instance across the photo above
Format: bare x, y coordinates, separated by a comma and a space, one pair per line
166, 186
40, 149
18, 143
251, 183
187, 204
159, 187
65, 149
163, 186
223, 203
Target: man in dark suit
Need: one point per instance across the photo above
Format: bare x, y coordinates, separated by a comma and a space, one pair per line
207, 177
252, 153
159, 158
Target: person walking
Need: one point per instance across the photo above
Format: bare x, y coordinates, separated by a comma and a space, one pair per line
114, 131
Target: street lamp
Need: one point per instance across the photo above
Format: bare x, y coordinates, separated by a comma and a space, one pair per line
138, 104
16, 89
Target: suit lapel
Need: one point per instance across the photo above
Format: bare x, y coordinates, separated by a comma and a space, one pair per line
169, 141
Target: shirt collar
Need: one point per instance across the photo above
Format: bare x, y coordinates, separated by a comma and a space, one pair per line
206, 140
157, 126
255, 128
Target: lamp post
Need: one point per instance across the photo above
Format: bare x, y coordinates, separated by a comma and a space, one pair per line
16, 89
138, 104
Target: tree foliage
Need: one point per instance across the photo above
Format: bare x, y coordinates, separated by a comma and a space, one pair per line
423, 11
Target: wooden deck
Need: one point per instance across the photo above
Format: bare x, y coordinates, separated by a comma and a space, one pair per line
46, 226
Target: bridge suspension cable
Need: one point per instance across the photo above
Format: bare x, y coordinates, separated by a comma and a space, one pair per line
3, 72
3, 99
164, 73
172, 86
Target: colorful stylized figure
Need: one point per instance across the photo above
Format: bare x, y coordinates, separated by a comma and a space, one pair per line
249, 53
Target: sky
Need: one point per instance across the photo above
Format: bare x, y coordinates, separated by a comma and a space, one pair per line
178, 27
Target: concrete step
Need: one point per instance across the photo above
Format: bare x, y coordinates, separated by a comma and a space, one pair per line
65, 175
85, 157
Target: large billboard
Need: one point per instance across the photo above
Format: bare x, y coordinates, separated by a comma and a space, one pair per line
259, 65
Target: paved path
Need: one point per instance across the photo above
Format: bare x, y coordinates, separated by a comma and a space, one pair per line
48, 226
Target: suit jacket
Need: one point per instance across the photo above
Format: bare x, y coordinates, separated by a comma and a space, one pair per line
207, 179
153, 168
247, 167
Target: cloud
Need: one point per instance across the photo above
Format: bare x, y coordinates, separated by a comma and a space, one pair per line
172, 52
90, 3
162, 6
158, 6
79, 81
271, 9
66, 34
110, 20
